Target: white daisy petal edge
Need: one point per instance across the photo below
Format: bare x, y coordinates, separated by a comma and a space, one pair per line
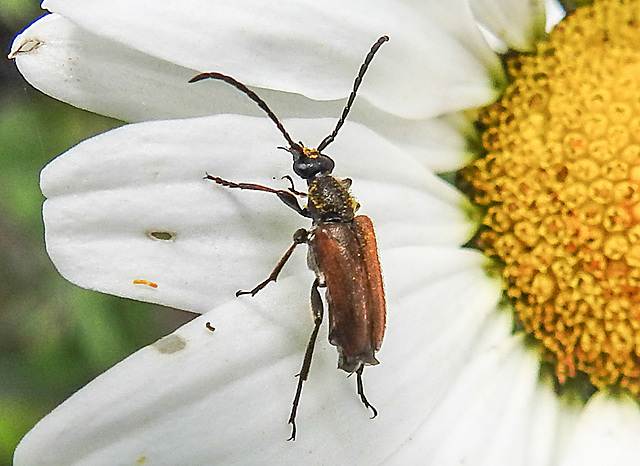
223, 397
489, 415
518, 23
131, 205
88, 71
554, 12
606, 432
456, 17
102, 76
431, 72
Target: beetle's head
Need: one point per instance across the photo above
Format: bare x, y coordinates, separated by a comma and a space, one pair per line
309, 163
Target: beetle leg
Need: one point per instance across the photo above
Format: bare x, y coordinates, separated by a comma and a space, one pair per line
361, 391
317, 309
293, 189
299, 237
286, 196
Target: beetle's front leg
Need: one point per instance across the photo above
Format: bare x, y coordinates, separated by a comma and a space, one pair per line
286, 196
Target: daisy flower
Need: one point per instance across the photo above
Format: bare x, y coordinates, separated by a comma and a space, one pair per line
511, 277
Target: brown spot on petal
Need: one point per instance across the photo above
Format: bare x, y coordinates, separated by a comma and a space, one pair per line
161, 235
26, 46
170, 344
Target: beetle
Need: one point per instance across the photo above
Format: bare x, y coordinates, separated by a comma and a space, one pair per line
342, 249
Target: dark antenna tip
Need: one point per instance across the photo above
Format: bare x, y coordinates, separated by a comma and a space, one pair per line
199, 77
356, 84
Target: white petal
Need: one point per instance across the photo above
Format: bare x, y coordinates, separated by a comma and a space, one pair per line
545, 414
607, 432
518, 23
423, 71
482, 401
102, 76
106, 196
486, 416
456, 17
198, 397
85, 70
438, 143
555, 13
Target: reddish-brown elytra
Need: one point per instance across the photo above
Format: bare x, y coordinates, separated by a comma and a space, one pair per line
342, 249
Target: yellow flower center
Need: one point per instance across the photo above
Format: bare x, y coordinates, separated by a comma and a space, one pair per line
560, 185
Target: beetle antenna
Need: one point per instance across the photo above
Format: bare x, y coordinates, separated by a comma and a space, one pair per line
249, 93
363, 69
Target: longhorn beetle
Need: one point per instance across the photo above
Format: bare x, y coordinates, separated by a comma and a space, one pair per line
342, 248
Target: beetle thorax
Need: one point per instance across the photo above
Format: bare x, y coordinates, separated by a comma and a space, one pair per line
330, 200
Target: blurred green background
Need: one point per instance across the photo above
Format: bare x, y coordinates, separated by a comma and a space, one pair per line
54, 336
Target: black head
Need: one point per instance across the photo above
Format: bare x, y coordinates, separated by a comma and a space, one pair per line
309, 163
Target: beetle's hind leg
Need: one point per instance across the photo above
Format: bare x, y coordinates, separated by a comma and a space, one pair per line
318, 311
299, 237
361, 391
